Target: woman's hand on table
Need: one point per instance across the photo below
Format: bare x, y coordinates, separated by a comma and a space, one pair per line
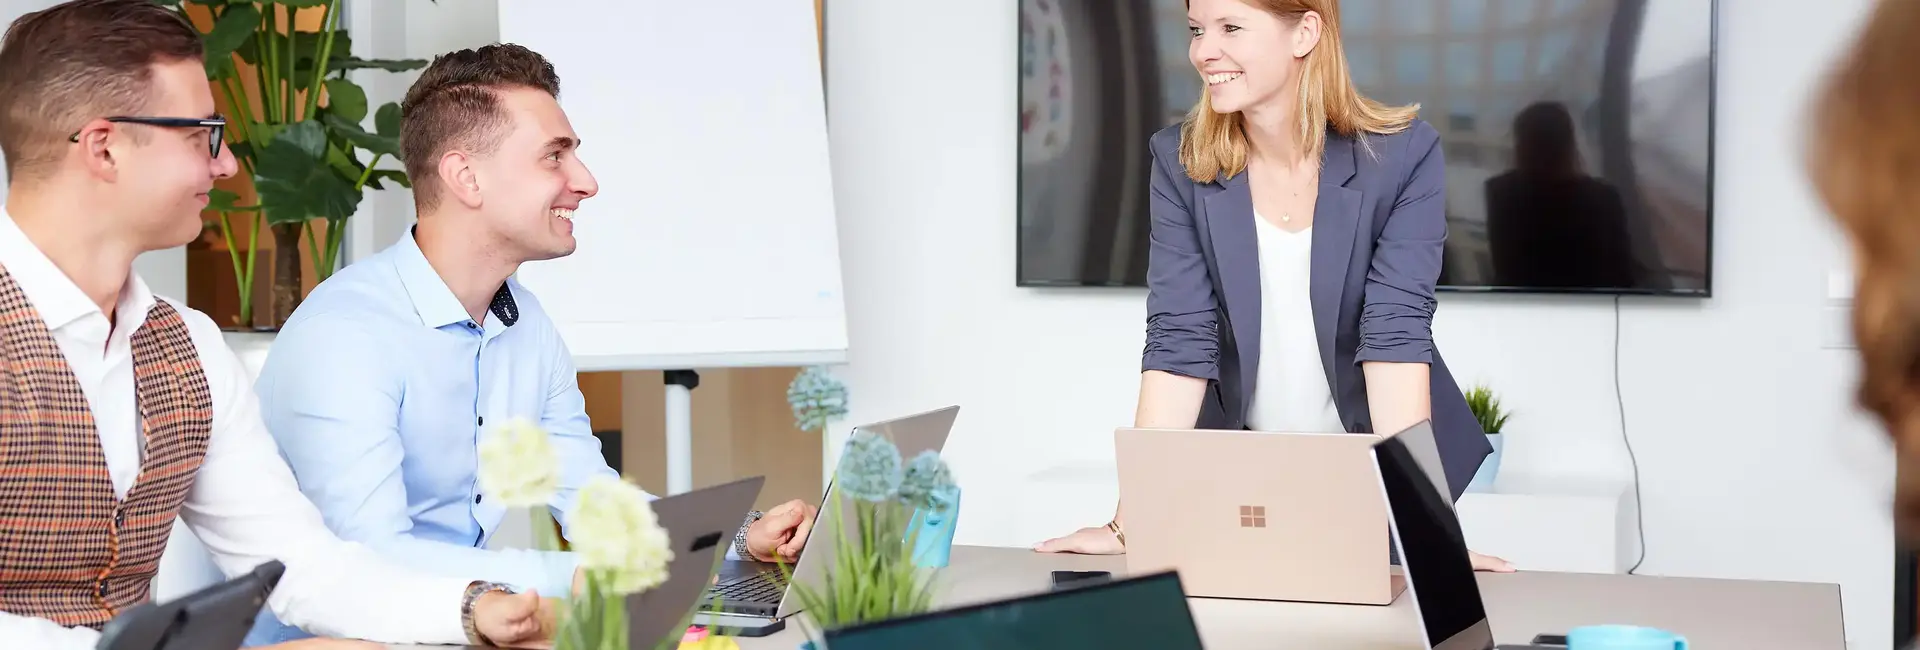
1490, 563
1092, 540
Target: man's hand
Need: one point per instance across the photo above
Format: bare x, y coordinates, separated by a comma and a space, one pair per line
515, 620
782, 532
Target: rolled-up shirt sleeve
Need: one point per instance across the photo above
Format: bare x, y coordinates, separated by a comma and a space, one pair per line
1396, 320
1183, 329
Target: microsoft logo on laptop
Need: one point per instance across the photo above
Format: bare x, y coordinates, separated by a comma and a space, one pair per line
1253, 516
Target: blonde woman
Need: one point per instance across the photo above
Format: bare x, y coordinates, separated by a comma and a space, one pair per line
1296, 240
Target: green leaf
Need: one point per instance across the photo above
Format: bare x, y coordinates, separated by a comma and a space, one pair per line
344, 162
386, 121
250, 52
346, 100
389, 65
223, 201
398, 177
378, 144
264, 132
235, 26
241, 150
219, 67
296, 183
301, 3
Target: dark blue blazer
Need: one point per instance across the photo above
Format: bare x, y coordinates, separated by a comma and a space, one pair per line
1378, 230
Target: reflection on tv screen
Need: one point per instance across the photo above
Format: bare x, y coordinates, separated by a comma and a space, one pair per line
1579, 153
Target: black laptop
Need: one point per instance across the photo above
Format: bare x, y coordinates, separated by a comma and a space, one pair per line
1433, 550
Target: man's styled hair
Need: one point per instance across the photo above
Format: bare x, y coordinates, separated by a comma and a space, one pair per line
454, 105
78, 61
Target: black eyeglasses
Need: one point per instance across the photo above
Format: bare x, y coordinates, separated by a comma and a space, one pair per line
216, 125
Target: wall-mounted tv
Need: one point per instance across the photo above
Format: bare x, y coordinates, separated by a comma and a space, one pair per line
1578, 134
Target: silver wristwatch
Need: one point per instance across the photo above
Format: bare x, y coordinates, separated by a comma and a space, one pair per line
740, 536
475, 590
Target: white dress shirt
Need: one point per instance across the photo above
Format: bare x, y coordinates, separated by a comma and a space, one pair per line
244, 504
1290, 390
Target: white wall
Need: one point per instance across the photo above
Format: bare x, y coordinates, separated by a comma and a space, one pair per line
408, 29
1754, 463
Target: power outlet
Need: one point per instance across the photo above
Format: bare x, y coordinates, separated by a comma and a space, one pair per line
1840, 286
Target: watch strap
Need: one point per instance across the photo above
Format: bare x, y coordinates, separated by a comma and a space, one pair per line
476, 589
740, 536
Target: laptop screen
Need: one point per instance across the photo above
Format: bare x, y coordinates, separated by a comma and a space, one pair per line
1433, 549
1145, 612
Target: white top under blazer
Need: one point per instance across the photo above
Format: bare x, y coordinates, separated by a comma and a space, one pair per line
1290, 392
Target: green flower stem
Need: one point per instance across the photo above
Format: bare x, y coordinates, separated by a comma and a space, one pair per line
332, 20
243, 273
267, 56
285, 66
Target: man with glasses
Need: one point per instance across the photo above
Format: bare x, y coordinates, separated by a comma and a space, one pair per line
119, 410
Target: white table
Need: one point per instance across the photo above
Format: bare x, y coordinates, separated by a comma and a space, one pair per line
1730, 614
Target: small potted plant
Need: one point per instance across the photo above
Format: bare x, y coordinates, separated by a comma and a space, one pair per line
1493, 418
893, 523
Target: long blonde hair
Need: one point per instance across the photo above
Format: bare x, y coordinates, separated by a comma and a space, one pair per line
1213, 144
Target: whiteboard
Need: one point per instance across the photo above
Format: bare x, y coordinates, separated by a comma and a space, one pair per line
712, 242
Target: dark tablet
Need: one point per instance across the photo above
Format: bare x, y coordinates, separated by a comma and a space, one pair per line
215, 618
1139, 612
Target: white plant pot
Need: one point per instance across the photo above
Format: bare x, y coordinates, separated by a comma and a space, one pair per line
1490, 468
252, 348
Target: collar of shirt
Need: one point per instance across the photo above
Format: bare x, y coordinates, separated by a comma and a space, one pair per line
62, 304
434, 301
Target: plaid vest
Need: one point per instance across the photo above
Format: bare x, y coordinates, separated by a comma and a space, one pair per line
70, 551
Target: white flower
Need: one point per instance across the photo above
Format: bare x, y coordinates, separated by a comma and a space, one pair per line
616, 535
518, 465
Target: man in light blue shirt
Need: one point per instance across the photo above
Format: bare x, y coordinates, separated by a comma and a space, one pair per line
379, 386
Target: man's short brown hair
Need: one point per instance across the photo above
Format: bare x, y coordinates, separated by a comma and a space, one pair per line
81, 60
454, 105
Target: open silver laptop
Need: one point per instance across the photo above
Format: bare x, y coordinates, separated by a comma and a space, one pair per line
700, 526
754, 597
1440, 577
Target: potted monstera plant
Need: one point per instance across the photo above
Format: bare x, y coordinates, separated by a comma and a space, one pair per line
298, 127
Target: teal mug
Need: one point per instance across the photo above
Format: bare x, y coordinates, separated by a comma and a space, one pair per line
1623, 637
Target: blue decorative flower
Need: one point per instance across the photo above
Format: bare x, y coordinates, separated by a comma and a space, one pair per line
816, 398
925, 479
870, 468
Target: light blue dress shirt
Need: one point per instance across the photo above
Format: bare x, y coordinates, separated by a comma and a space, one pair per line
377, 390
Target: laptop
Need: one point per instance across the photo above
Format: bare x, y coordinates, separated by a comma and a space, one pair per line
1279, 516
700, 527
1142, 612
753, 597
1441, 581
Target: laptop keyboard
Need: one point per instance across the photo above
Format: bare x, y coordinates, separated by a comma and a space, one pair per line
765, 587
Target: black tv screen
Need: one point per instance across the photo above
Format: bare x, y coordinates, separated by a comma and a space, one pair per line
1578, 134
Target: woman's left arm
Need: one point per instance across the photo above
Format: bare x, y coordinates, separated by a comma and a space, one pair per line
1396, 319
